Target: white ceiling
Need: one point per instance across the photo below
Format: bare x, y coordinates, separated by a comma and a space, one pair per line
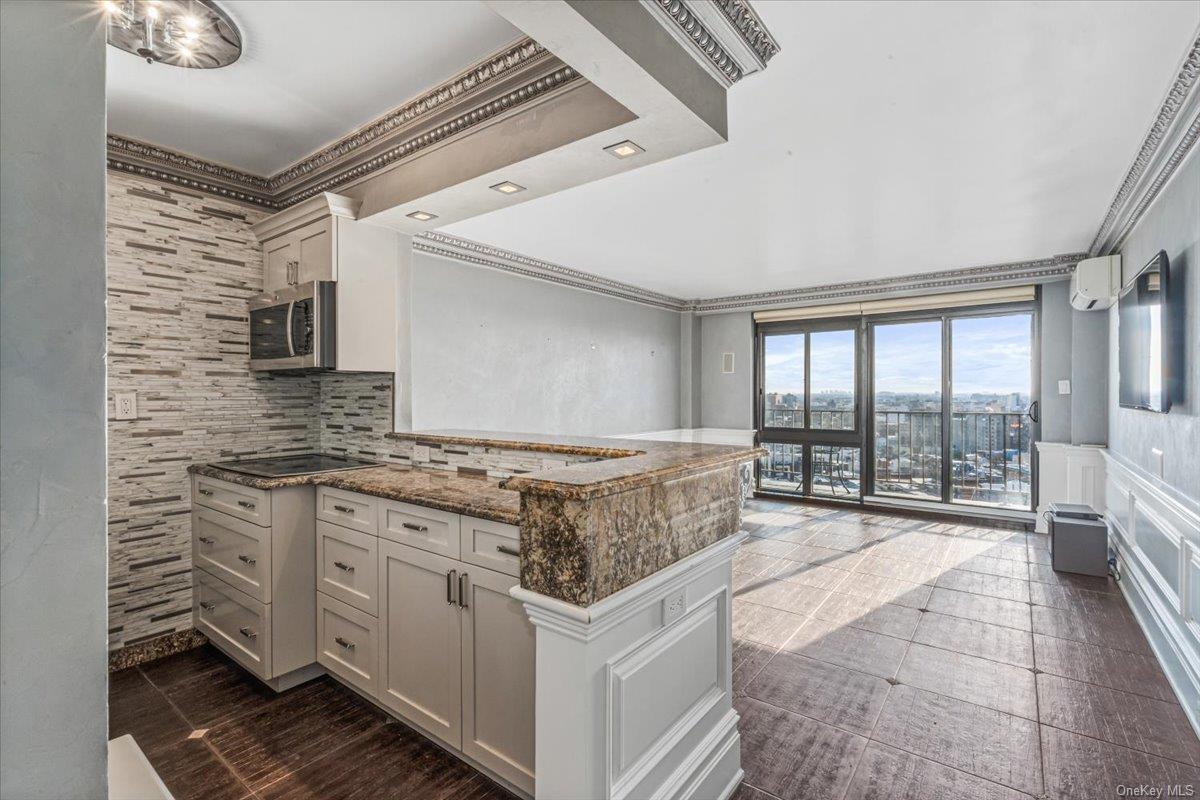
310, 72
885, 139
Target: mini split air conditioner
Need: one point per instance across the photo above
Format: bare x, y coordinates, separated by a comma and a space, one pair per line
1095, 283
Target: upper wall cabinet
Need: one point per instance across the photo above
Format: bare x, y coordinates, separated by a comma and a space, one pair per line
301, 244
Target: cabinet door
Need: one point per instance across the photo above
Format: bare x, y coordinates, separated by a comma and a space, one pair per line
277, 254
420, 654
316, 243
497, 677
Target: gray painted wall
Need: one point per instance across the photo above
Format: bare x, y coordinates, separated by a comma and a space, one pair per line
53, 658
499, 352
1171, 224
727, 400
1056, 361
1089, 377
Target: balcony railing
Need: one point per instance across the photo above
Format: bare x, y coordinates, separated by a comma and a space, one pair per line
822, 419
989, 452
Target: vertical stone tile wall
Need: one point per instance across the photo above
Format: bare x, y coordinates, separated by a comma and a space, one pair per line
181, 267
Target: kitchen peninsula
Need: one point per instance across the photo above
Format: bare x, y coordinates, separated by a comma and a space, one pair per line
604, 671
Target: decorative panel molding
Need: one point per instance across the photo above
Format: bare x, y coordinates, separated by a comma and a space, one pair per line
1170, 138
502, 83
1155, 531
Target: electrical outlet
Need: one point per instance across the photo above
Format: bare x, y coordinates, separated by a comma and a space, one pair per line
673, 606
126, 404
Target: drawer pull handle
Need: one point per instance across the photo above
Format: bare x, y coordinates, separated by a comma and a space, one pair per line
450, 586
249, 634
206, 539
462, 590
205, 492
246, 504
412, 526
344, 642
343, 566
207, 606
508, 551
248, 560
344, 509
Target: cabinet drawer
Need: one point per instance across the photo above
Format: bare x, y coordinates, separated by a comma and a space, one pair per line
234, 621
348, 566
493, 545
236, 551
348, 509
420, 527
252, 505
348, 642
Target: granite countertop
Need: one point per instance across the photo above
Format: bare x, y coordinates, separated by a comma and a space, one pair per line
475, 496
626, 463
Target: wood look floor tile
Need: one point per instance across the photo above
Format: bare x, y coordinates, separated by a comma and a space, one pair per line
1082, 768
981, 608
1048, 594
879, 589
847, 540
981, 639
825, 556
1115, 669
137, 708
787, 595
218, 694
754, 563
191, 771
186, 666
1141, 723
747, 792
990, 585
815, 575
748, 660
772, 548
873, 563
1005, 568
854, 648
885, 618
826, 692
794, 757
1115, 629
764, 624
885, 773
976, 680
304, 724
390, 761
1044, 573
965, 549
989, 744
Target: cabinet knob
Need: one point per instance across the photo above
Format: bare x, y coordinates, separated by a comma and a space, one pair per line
205, 539
343, 566
246, 504
248, 560
249, 634
344, 509
344, 642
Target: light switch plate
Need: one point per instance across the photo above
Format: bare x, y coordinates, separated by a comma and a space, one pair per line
1064, 387
126, 405
674, 605
1156, 461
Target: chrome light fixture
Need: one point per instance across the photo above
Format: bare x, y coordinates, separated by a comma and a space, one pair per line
182, 33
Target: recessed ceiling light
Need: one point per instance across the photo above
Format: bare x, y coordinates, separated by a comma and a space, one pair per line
421, 216
624, 149
508, 187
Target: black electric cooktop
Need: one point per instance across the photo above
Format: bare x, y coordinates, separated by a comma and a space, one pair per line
299, 464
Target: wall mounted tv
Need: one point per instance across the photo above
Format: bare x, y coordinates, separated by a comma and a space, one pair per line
1144, 329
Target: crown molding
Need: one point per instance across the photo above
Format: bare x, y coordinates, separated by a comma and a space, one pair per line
518, 75
1168, 142
727, 37
452, 247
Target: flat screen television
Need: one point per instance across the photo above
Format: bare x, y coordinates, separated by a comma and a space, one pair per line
1144, 328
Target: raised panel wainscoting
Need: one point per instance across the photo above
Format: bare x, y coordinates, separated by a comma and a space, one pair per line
1155, 531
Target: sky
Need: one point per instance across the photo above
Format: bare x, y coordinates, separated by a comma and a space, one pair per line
991, 355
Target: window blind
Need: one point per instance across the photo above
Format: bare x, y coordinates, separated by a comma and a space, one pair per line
977, 297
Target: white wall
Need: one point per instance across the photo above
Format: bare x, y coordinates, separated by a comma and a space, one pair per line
727, 400
53, 659
494, 351
1171, 224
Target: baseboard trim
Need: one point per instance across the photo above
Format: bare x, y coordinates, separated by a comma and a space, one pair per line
153, 649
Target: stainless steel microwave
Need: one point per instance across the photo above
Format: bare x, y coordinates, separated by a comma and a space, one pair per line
294, 328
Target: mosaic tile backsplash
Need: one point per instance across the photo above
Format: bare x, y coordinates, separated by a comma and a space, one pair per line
181, 267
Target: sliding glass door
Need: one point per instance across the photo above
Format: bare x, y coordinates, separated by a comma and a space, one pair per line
808, 410
938, 407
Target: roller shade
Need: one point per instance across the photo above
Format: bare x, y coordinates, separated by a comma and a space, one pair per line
978, 297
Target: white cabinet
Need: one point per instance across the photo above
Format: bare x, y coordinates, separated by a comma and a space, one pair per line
302, 255
420, 666
347, 566
348, 642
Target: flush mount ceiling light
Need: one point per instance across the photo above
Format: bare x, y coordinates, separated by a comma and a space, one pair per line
182, 33
421, 216
508, 187
623, 149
